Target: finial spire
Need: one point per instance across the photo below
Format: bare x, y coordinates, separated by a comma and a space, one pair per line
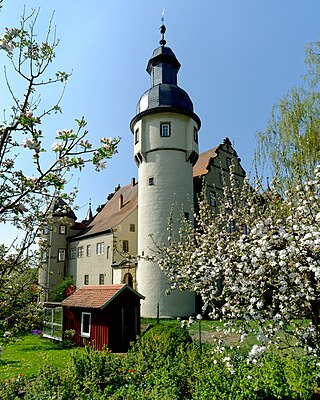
162, 30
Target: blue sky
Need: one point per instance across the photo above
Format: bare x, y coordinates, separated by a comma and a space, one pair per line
238, 58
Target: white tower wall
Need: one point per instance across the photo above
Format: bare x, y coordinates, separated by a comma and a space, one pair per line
165, 160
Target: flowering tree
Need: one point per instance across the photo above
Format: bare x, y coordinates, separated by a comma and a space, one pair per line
256, 259
31, 176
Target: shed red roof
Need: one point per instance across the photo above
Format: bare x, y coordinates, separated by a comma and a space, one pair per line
96, 296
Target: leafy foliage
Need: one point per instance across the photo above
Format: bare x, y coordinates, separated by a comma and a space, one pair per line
64, 289
32, 177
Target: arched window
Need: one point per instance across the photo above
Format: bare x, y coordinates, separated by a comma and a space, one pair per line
128, 279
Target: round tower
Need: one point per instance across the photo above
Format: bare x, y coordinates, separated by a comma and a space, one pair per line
53, 261
165, 131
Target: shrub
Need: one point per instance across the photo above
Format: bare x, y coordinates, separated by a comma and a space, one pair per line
64, 289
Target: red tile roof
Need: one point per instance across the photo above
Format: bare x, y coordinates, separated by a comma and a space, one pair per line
112, 214
203, 163
95, 296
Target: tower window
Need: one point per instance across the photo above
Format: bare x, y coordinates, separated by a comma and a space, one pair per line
186, 216
228, 160
46, 230
62, 229
136, 136
195, 134
151, 181
86, 280
61, 254
165, 129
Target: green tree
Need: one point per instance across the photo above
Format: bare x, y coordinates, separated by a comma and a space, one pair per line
32, 177
290, 145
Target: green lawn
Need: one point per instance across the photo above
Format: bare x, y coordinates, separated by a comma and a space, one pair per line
28, 354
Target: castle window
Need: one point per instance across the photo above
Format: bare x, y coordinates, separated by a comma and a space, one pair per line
165, 129
85, 324
186, 216
88, 250
228, 160
221, 178
62, 229
44, 256
73, 252
136, 136
231, 227
100, 248
195, 134
132, 228
128, 279
125, 246
213, 202
151, 181
46, 230
80, 252
108, 251
86, 280
237, 183
101, 279
61, 254
245, 229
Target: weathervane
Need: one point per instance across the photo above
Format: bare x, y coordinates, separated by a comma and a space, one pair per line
162, 30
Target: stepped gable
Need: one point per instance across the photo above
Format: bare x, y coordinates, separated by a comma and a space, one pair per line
202, 166
112, 214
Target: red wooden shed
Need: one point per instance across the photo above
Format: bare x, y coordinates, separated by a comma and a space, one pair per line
103, 315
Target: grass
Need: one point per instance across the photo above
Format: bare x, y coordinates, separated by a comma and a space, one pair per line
25, 356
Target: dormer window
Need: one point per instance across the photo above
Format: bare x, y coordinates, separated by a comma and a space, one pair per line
165, 129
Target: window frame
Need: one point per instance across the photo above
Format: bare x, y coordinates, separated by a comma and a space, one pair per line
165, 132
125, 246
88, 250
73, 253
85, 333
136, 136
80, 252
100, 248
195, 134
61, 252
63, 229
101, 279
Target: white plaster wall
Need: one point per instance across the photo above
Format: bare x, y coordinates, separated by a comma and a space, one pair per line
165, 161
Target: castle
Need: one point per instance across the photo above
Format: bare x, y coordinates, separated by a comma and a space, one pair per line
115, 245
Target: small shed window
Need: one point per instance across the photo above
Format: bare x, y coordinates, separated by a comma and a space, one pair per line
165, 129
52, 323
85, 324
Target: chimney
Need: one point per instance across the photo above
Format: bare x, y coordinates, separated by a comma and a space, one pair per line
133, 182
120, 201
